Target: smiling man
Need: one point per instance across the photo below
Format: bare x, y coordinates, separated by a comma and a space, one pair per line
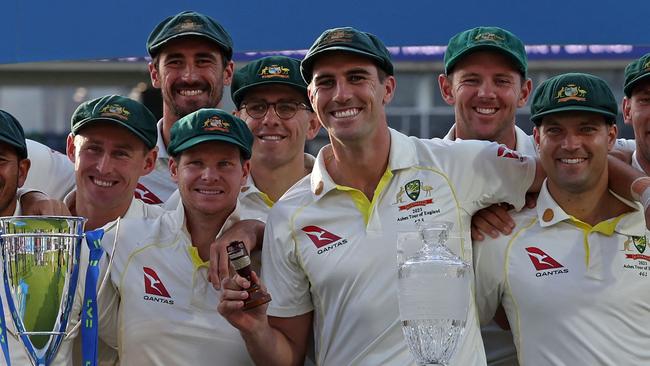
271, 97
636, 109
572, 278
167, 310
330, 253
191, 63
485, 80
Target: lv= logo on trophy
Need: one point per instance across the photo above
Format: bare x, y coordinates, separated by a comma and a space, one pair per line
40, 269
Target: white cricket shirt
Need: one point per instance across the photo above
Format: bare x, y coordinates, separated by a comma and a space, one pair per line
330, 251
574, 294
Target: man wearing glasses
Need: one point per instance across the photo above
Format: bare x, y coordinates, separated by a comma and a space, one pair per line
271, 97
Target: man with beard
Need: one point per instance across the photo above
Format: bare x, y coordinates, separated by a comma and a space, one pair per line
572, 277
191, 62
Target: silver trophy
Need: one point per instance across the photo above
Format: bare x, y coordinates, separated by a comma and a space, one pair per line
40, 266
434, 289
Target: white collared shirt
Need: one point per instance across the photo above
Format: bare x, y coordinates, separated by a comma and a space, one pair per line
574, 294
328, 251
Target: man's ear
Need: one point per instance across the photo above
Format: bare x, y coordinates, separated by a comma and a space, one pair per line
445, 85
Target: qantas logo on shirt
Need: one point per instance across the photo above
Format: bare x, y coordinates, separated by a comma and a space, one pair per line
323, 239
145, 195
544, 263
505, 152
154, 286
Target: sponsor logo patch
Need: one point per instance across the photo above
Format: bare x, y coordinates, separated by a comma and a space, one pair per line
145, 195
323, 239
154, 286
544, 264
505, 152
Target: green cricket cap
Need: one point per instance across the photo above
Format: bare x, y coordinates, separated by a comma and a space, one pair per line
210, 124
123, 111
12, 134
635, 72
279, 70
486, 39
347, 39
573, 92
189, 23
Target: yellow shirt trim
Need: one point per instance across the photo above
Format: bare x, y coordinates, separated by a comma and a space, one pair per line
196, 258
604, 227
269, 202
361, 201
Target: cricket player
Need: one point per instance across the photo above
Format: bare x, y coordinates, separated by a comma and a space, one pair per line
485, 80
329, 256
191, 63
572, 277
167, 304
636, 109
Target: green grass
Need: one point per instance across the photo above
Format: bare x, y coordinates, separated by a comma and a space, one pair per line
43, 298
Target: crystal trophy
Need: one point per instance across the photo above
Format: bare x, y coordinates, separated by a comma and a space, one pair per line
434, 289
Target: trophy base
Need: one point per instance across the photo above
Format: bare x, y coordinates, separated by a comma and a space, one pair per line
256, 297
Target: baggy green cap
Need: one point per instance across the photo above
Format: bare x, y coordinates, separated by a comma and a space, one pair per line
347, 39
635, 72
486, 39
264, 71
123, 111
189, 23
573, 92
210, 124
11, 133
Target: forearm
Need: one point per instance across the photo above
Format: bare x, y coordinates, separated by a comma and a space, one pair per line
269, 346
621, 176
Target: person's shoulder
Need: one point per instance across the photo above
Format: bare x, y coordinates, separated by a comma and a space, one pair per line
523, 220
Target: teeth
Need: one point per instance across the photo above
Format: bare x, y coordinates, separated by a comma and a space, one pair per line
486, 110
572, 161
209, 191
103, 183
190, 93
347, 113
271, 137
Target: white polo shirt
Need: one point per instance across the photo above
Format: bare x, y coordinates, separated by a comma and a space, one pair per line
330, 251
168, 309
107, 298
499, 347
156, 187
51, 172
574, 294
255, 204
525, 143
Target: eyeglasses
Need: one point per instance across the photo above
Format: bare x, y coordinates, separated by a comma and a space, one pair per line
284, 110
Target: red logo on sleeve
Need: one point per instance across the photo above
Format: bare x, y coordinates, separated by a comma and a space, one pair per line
145, 195
320, 237
541, 260
504, 152
152, 283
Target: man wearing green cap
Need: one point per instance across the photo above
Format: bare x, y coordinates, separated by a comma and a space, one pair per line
14, 166
167, 304
485, 80
112, 144
329, 254
271, 96
191, 63
572, 278
636, 109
